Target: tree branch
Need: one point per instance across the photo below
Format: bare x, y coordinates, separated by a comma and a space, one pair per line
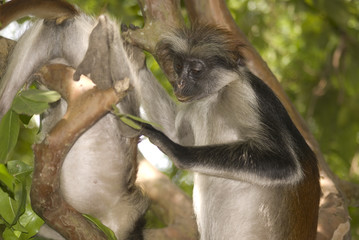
6, 46
159, 16
169, 203
86, 104
47, 9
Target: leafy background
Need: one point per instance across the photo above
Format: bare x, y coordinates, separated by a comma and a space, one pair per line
310, 45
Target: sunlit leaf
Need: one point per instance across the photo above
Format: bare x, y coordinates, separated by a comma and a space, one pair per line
23, 105
31, 222
37, 95
18, 227
6, 210
9, 234
6, 179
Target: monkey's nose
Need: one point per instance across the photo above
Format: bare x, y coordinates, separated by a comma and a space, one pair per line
180, 84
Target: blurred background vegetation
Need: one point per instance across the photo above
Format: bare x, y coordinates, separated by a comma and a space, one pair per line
312, 48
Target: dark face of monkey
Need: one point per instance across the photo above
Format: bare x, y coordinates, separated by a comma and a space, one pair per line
201, 62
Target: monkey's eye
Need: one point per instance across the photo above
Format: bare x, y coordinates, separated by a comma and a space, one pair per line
240, 61
196, 67
177, 65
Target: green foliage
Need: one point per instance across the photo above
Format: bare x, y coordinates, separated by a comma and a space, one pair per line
28, 102
132, 121
108, 232
17, 219
33, 101
16, 215
9, 131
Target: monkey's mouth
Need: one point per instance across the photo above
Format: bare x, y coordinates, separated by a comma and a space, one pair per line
184, 98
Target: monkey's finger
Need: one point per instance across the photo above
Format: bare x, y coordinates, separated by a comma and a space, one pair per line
124, 27
133, 27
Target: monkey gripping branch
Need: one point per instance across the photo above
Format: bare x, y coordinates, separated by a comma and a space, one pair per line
86, 104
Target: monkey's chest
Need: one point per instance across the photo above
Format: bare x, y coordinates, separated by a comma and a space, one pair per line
207, 129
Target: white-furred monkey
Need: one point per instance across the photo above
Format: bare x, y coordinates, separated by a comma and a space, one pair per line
255, 176
99, 172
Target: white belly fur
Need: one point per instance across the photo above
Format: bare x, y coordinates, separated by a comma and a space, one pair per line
243, 215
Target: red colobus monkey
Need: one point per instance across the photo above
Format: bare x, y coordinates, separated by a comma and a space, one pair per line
255, 176
98, 174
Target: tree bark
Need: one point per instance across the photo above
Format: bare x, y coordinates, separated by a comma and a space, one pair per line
6, 46
170, 204
86, 104
15, 9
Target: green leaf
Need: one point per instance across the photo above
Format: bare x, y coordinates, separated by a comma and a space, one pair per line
6, 210
138, 119
130, 123
9, 132
6, 179
128, 119
31, 222
9, 234
12, 208
19, 169
37, 95
23, 105
25, 119
18, 227
20, 198
108, 232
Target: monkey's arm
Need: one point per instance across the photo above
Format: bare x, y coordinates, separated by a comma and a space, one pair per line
243, 161
157, 104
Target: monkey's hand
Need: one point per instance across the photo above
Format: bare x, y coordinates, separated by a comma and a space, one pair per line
145, 38
136, 53
177, 153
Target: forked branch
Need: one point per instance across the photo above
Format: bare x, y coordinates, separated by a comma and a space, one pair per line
86, 104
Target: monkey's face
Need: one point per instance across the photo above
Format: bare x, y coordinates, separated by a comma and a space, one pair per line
188, 84
199, 61
196, 78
